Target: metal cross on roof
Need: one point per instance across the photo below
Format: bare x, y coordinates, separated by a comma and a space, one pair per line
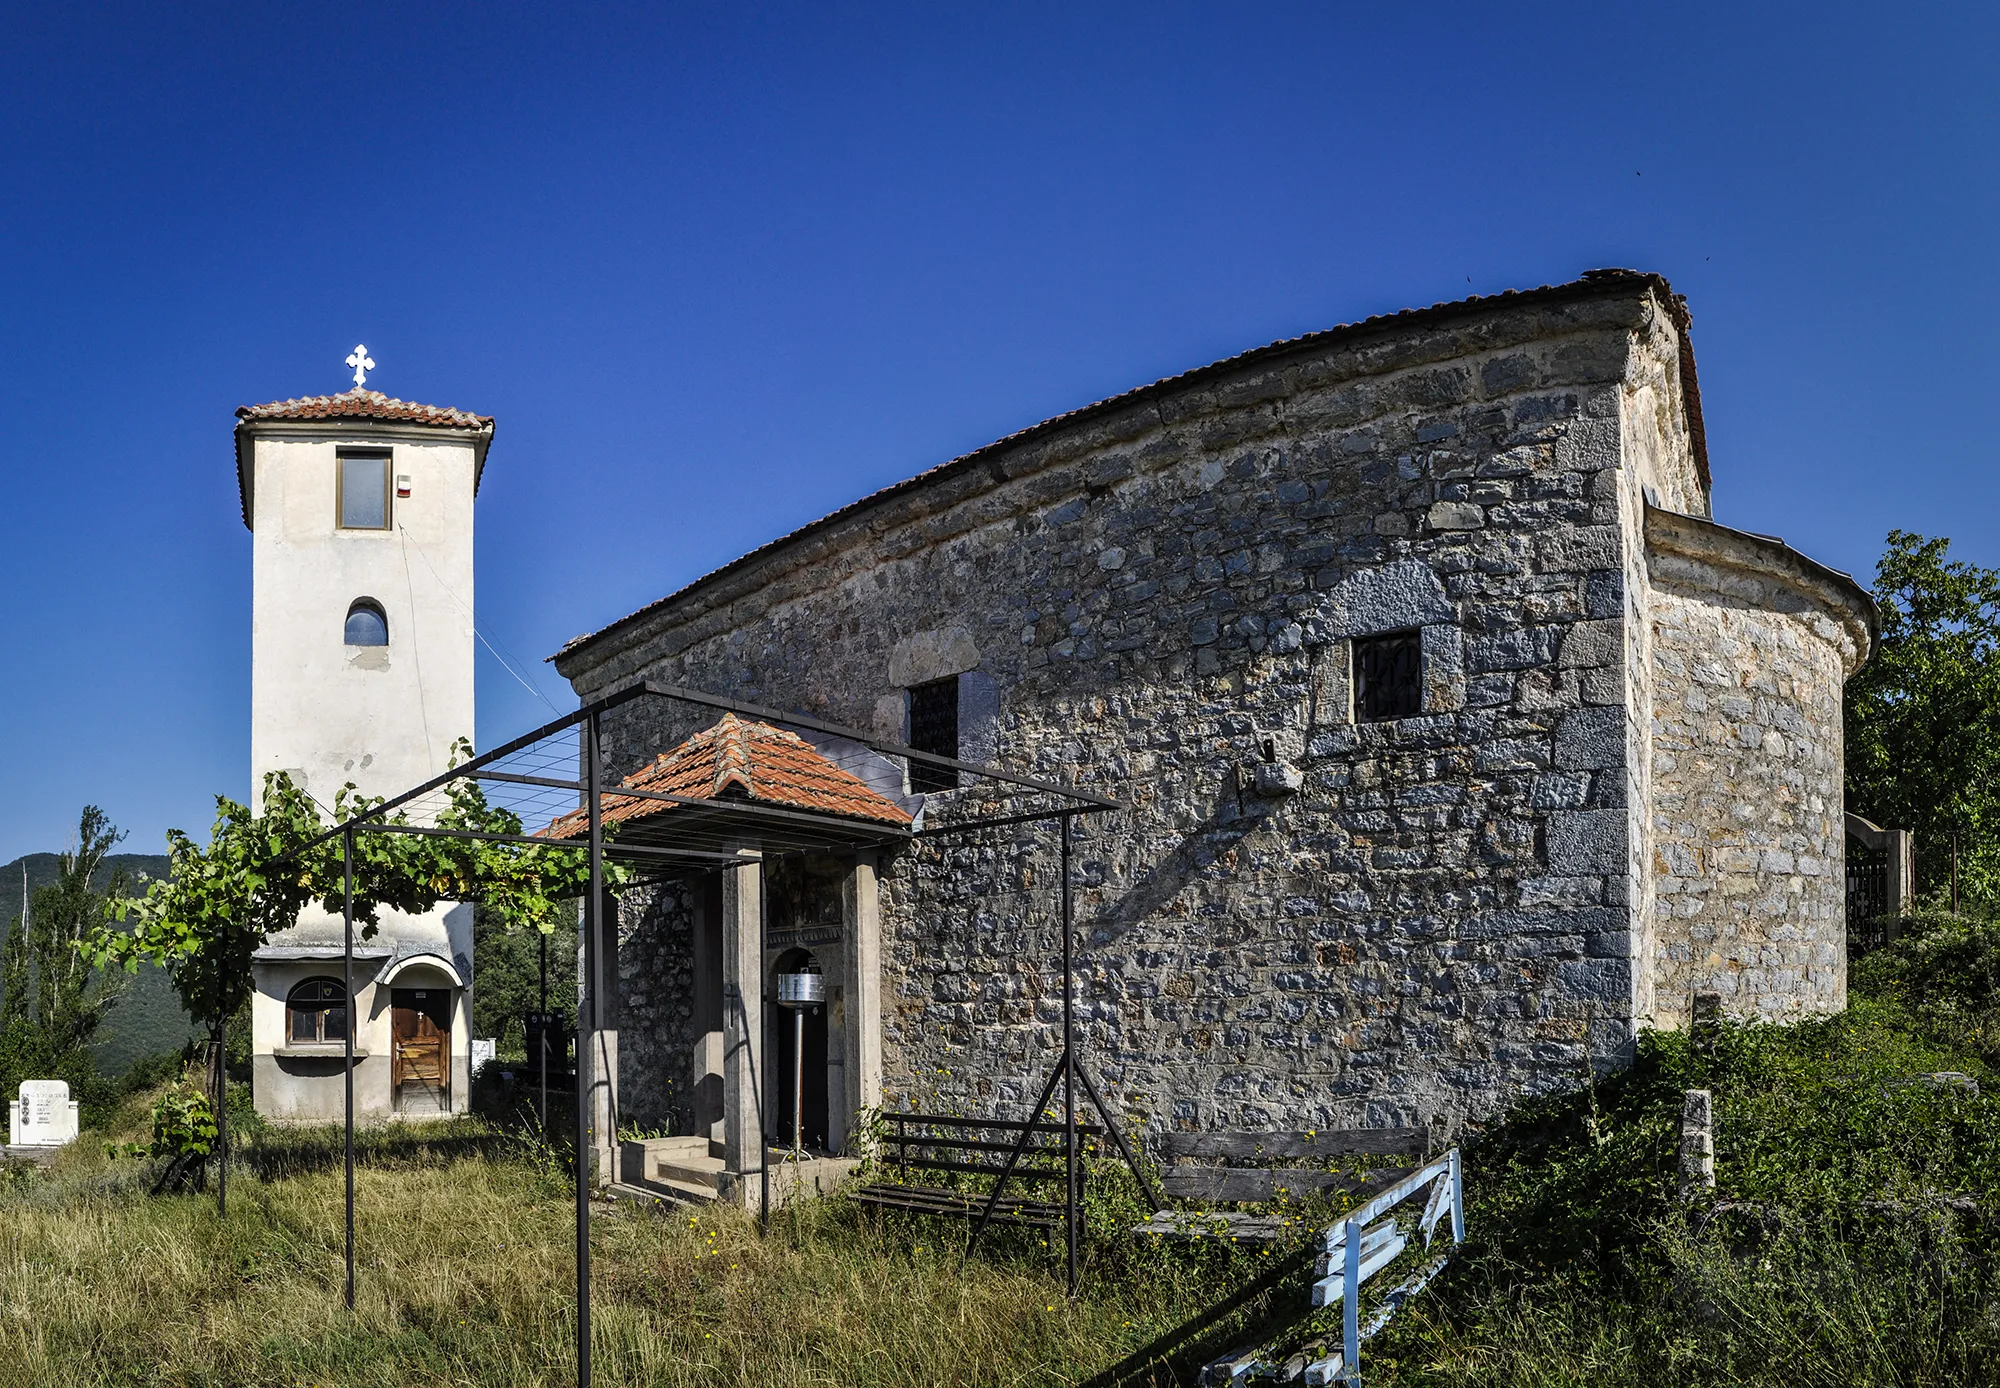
362, 364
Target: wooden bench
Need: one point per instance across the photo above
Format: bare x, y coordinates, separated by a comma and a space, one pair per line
923, 1142
1197, 1167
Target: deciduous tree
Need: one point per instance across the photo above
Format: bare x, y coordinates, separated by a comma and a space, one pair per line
1923, 716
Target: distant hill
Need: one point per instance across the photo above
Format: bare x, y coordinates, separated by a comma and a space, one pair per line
148, 1018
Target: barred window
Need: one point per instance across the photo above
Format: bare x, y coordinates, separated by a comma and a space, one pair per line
1388, 676
934, 729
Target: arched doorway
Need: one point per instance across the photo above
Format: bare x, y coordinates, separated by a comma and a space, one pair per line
783, 1039
426, 1006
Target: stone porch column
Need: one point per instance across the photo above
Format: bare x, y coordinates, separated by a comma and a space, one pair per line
597, 1051
743, 1079
863, 989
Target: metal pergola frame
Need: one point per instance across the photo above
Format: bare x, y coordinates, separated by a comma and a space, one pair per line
677, 844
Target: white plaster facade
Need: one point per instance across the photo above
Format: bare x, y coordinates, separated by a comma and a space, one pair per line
381, 717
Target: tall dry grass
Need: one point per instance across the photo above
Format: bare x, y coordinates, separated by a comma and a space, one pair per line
465, 1276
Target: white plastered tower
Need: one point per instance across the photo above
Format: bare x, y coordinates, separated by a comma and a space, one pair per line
360, 507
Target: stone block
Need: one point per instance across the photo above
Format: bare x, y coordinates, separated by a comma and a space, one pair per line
1591, 738
1600, 642
1582, 842
1456, 515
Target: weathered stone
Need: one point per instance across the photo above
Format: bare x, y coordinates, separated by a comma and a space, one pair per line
1451, 910
1591, 738
1587, 841
1456, 515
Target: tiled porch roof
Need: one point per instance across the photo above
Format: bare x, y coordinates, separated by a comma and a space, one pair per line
753, 761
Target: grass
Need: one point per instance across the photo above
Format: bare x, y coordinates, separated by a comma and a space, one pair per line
466, 1276
1852, 1240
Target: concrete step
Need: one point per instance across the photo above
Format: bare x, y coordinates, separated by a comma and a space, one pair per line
662, 1193
702, 1173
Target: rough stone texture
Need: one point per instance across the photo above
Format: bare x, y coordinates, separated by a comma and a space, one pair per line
1748, 838
1451, 911
656, 1044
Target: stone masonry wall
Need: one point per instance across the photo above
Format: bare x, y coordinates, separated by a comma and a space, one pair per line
656, 1015
1438, 920
1748, 839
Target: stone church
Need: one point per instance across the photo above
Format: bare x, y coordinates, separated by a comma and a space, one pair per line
1459, 742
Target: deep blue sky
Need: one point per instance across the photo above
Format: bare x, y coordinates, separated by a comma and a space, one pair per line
718, 273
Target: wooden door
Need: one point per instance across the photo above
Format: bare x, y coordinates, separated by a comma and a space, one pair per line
420, 1067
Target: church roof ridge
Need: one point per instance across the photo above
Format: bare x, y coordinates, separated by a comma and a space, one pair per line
362, 403
1590, 284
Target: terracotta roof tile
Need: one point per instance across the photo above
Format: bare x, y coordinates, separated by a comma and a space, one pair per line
360, 403
741, 757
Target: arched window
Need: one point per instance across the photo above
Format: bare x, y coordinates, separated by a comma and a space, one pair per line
367, 624
316, 1011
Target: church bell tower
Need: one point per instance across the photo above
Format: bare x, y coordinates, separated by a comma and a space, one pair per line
360, 510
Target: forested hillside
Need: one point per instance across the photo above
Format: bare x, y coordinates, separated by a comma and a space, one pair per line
148, 1018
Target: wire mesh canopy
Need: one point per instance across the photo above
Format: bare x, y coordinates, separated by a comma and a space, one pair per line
732, 776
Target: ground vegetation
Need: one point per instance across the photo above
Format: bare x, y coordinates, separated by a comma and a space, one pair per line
1851, 1239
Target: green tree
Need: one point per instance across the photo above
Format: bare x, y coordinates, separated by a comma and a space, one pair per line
1923, 716
220, 902
507, 963
51, 1002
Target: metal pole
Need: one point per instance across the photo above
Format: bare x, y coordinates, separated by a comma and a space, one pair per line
1069, 1064
542, 1031
1350, 1306
222, 1117
591, 907
798, 1083
347, 986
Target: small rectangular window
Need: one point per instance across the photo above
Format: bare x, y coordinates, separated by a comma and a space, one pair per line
934, 729
364, 491
1388, 676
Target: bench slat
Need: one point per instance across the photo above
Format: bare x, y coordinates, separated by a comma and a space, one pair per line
1002, 1124
970, 1144
930, 1200
1232, 1183
1019, 1173
1296, 1146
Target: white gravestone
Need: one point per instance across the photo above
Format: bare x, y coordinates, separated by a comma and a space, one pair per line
44, 1115
482, 1051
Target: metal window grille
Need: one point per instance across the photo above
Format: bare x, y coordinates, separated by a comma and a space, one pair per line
934, 729
1388, 677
